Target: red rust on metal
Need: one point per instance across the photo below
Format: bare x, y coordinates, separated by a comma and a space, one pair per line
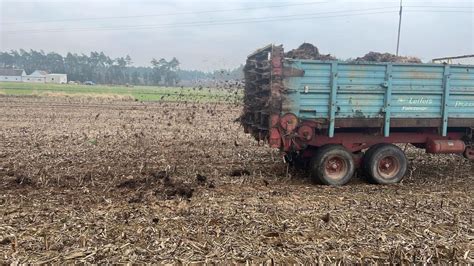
356, 141
305, 133
311, 123
289, 122
277, 71
275, 138
276, 62
263, 87
277, 55
287, 144
445, 146
388, 167
469, 153
358, 159
335, 167
274, 119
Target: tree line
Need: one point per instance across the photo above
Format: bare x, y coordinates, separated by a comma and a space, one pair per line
100, 68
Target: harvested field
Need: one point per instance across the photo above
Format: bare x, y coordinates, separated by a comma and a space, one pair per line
110, 181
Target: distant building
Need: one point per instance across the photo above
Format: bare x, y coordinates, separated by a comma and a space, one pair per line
11, 75
56, 78
41, 76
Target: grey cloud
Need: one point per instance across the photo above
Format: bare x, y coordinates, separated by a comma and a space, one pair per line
426, 35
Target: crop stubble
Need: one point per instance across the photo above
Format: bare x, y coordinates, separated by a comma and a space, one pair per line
121, 181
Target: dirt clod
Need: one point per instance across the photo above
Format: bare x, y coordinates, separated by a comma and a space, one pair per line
131, 184
160, 174
211, 184
5, 241
178, 190
201, 178
326, 218
137, 198
23, 180
239, 172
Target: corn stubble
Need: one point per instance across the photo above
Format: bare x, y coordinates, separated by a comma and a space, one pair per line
104, 180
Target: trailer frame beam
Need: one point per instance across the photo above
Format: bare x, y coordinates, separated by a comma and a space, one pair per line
388, 100
446, 92
333, 99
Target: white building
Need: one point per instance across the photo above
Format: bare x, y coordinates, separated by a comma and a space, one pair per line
39, 76
11, 75
56, 78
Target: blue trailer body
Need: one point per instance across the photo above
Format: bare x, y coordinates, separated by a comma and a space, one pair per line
385, 91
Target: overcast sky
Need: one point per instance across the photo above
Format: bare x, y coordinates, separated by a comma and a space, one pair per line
208, 35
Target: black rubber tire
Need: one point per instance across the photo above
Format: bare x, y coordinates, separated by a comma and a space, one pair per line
390, 152
318, 165
367, 155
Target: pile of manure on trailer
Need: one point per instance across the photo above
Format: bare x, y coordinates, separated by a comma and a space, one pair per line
308, 51
386, 57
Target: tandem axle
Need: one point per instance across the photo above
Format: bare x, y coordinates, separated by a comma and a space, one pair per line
333, 160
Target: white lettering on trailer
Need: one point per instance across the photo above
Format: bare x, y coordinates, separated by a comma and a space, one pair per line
415, 101
409, 102
464, 104
414, 108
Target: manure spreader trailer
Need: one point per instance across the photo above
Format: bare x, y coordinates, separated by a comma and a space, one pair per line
338, 116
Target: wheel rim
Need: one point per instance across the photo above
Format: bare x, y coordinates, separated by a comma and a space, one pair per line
335, 167
389, 167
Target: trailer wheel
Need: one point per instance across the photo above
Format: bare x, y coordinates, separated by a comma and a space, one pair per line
367, 155
385, 164
332, 165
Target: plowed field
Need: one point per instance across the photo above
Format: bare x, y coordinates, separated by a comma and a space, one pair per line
109, 181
